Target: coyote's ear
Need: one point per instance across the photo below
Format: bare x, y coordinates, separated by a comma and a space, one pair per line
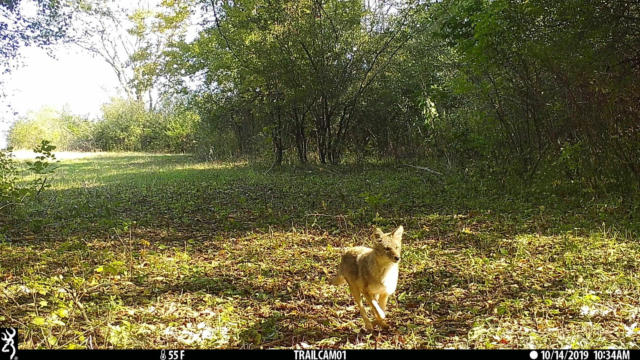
397, 234
379, 233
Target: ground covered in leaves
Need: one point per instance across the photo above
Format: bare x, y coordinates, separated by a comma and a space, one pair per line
156, 251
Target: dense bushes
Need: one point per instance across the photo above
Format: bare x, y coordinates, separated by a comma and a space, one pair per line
175, 130
125, 125
13, 192
68, 131
525, 87
122, 126
555, 82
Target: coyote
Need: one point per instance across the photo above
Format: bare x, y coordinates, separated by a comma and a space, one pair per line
372, 273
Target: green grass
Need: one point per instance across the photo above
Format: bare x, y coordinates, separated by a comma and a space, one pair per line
157, 251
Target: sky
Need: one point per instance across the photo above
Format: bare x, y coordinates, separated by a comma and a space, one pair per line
71, 79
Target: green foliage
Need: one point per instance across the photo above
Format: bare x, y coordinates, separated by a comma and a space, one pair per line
42, 166
508, 84
127, 125
174, 130
295, 72
122, 126
546, 76
505, 84
512, 85
70, 132
45, 23
12, 191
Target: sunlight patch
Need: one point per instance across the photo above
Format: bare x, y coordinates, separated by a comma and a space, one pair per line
192, 334
60, 155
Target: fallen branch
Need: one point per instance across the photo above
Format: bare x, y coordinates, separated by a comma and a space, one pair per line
272, 165
319, 168
334, 216
424, 168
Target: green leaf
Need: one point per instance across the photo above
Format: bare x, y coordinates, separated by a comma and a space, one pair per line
52, 340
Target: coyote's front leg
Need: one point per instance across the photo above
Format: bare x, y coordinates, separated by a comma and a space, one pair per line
357, 296
378, 312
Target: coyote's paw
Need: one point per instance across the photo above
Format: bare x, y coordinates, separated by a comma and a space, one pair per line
368, 325
383, 324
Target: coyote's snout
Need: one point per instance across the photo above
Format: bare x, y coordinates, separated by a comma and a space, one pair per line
372, 273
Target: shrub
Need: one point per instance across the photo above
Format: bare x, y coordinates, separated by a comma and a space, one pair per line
69, 131
127, 125
122, 126
12, 193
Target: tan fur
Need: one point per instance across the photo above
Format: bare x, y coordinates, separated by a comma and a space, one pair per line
372, 273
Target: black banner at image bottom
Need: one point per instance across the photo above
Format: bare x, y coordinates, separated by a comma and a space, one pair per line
329, 354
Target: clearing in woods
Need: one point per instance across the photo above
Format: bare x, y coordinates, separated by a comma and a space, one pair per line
150, 251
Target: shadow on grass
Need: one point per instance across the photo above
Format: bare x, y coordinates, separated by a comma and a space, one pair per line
210, 207
147, 190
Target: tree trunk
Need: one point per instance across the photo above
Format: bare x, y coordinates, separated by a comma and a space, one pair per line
278, 145
301, 146
301, 140
278, 153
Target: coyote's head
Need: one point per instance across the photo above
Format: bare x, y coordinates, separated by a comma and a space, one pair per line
388, 245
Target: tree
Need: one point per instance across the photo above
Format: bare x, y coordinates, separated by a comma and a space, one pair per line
305, 65
130, 40
551, 76
155, 31
19, 29
101, 29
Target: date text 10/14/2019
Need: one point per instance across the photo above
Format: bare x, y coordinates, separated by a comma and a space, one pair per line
581, 355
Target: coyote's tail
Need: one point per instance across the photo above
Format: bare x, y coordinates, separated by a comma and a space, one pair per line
337, 280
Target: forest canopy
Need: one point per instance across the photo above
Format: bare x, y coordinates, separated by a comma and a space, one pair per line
523, 86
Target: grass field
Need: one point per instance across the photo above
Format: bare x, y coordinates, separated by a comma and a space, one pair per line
157, 251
